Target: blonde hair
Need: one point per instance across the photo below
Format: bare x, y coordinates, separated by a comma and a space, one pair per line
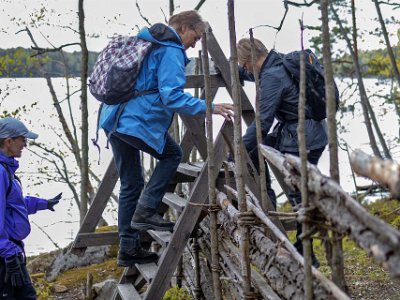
244, 50
189, 18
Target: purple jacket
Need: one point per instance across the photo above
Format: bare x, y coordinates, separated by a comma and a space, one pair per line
14, 209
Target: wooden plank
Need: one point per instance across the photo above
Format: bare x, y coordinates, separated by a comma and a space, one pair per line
128, 292
197, 81
185, 225
189, 169
174, 201
84, 240
221, 61
99, 203
148, 271
161, 237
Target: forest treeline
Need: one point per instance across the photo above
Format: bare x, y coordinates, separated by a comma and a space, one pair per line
21, 62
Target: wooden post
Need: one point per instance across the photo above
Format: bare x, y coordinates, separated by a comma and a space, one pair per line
261, 161
215, 268
238, 143
337, 246
307, 246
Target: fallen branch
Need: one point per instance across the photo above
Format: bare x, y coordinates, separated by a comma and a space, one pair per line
386, 172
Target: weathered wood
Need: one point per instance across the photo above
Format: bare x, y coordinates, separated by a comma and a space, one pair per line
282, 265
197, 81
127, 292
386, 172
221, 61
161, 237
184, 227
84, 240
211, 170
174, 201
231, 253
189, 169
346, 214
147, 270
98, 205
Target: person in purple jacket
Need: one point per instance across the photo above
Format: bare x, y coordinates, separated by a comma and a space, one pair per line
15, 282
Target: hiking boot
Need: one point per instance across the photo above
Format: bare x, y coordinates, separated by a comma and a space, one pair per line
314, 260
140, 256
146, 218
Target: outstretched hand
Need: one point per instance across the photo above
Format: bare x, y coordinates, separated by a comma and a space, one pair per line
53, 201
225, 110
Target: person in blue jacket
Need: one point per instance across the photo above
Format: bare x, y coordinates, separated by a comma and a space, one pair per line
143, 126
279, 99
15, 282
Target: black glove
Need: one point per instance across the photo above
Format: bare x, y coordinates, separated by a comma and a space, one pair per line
14, 273
53, 201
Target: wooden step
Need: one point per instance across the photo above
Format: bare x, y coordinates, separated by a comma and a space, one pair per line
161, 237
148, 271
174, 201
189, 169
127, 291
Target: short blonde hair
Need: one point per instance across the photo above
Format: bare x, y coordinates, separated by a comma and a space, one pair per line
244, 50
189, 18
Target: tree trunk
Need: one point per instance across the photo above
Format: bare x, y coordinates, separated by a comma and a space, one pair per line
363, 93
238, 144
84, 109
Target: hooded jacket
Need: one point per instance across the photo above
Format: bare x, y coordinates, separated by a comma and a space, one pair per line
279, 98
14, 209
149, 116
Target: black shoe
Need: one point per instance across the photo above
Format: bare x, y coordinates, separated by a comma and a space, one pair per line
146, 218
315, 261
140, 256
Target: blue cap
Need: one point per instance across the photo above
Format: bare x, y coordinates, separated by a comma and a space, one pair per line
11, 127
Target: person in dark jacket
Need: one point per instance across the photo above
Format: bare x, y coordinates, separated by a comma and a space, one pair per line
279, 100
143, 126
15, 282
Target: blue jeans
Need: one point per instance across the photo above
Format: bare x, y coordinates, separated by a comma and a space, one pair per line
127, 159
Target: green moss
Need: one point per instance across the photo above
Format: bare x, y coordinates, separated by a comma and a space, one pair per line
42, 287
76, 277
177, 293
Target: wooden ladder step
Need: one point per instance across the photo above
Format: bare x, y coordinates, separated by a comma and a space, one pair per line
189, 169
174, 201
161, 237
148, 271
127, 291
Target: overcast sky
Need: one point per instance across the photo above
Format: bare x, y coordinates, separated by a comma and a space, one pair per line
105, 18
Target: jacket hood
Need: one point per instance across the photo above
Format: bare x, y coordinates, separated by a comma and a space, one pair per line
163, 35
273, 58
12, 163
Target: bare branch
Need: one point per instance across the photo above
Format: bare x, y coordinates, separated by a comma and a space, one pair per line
198, 6
141, 15
46, 234
46, 50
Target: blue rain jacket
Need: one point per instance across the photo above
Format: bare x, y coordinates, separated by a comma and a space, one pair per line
148, 117
14, 210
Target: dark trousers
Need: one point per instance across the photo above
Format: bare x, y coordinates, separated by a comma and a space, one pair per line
127, 159
313, 157
8, 292
254, 158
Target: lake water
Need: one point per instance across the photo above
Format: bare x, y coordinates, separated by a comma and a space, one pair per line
63, 224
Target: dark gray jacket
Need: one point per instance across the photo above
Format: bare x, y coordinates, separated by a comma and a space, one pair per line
279, 98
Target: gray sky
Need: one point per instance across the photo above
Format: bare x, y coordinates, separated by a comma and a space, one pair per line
106, 18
